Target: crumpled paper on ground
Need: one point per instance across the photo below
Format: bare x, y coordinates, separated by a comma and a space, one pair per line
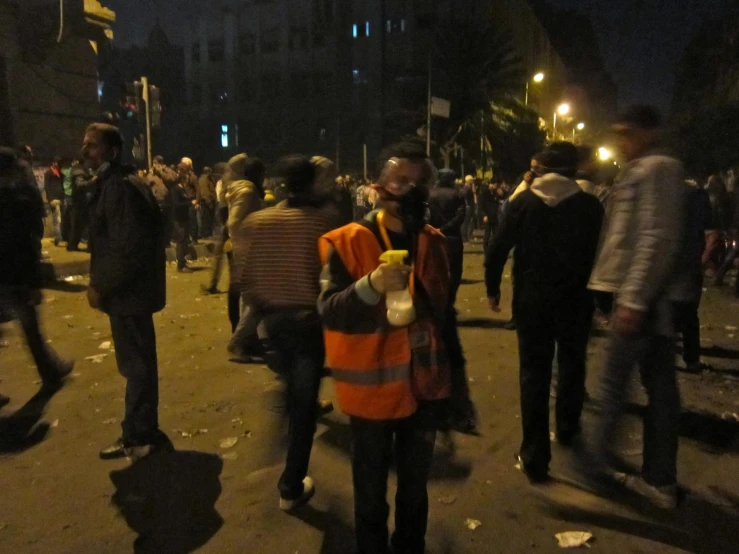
574, 539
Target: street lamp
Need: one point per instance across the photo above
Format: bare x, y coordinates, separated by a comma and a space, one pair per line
563, 109
604, 154
538, 78
580, 126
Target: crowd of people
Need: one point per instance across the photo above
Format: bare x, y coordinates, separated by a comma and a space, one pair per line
308, 291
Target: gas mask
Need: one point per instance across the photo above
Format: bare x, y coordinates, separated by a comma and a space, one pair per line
411, 197
413, 209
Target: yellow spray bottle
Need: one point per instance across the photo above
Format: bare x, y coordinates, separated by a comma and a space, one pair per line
400, 310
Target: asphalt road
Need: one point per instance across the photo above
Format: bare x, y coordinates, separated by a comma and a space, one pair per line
56, 496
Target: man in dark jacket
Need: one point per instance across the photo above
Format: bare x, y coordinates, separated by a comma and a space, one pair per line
54, 189
21, 229
491, 200
181, 211
81, 181
447, 209
554, 227
127, 282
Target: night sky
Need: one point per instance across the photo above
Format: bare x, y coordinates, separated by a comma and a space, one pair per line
641, 40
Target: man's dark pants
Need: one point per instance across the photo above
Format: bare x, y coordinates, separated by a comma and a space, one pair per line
182, 239
219, 249
67, 217
688, 325
297, 336
546, 316
80, 220
411, 440
455, 250
136, 354
655, 356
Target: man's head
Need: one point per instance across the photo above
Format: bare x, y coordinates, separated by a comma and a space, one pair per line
299, 174
254, 171
493, 186
535, 163
529, 177
103, 144
186, 163
207, 171
56, 162
637, 130
325, 177
447, 178
559, 158
405, 179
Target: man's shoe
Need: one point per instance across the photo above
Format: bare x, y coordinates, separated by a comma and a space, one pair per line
510, 326
325, 407
309, 489
662, 497
138, 452
209, 290
115, 451
184, 270
535, 477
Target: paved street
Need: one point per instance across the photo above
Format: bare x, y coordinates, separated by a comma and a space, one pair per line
58, 497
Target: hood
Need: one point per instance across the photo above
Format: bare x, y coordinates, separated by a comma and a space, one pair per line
446, 178
553, 188
236, 188
234, 170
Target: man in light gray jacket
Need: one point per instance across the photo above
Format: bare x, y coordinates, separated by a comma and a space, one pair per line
638, 255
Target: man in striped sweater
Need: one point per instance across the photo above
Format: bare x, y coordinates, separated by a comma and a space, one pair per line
281, 282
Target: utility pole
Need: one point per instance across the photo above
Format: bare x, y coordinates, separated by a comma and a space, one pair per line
147, 103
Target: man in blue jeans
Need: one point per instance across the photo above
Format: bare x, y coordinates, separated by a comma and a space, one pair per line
281, 283
642, 238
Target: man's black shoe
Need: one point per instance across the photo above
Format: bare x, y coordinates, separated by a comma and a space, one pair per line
535, 477
115, 451
209, 290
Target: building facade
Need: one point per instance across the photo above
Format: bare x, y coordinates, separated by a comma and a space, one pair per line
49, 88
326, 76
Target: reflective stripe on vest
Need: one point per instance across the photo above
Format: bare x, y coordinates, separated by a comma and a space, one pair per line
382, 376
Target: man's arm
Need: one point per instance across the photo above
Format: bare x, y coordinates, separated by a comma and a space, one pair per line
660, 219
459, 215
345, 304
500, 246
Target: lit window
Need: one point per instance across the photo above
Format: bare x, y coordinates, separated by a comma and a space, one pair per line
355, 31
366, 28
402, 25
361, 31
224, 136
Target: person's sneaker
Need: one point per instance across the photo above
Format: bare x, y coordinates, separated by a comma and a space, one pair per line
510, 326
115, 451
662, 497
309, 489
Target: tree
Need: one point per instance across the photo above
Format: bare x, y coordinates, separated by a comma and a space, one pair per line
477, 65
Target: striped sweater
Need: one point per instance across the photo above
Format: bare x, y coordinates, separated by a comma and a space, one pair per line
281, 265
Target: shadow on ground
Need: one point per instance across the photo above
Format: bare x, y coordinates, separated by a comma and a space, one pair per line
483, 323
63, 286
24, 428
700, 525
169, 499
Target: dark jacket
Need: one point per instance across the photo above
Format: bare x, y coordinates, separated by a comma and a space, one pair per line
81, 182
21, 223
53, 185
688, 280
555, 228
127, 264
490, 205
181, 203
447, 207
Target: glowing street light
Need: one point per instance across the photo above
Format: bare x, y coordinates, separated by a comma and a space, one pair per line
563, 109
538, 78
604, 154
580, 126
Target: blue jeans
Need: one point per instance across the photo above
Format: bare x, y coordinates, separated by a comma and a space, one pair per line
56, 219
655, 356
297, 336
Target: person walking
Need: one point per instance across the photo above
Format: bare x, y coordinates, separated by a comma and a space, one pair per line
388, 378
21, 229
54, 189
189, 181
281, 282
244, 181
554, 227
128, 283
206, 202
181, 208
468, 193
639, 250
222, 235
81, 180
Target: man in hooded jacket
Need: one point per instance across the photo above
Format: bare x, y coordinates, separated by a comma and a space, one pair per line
554, 227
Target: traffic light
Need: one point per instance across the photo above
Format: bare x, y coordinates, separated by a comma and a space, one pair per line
133, 106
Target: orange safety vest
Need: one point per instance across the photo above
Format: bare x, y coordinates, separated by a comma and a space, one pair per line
381, 376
